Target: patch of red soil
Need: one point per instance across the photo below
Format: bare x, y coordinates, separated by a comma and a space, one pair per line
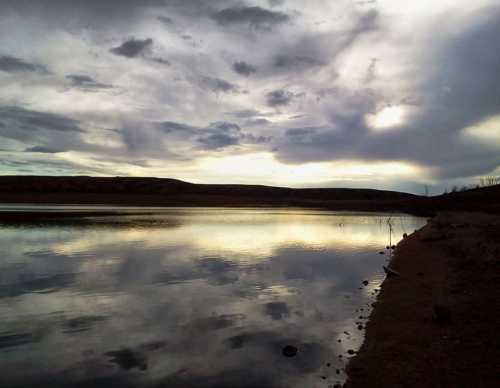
437, 324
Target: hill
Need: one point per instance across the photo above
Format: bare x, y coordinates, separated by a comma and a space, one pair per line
173, 192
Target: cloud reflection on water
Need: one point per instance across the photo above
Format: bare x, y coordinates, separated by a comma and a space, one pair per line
222, 292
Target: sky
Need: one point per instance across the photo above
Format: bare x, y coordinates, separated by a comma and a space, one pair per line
341, 93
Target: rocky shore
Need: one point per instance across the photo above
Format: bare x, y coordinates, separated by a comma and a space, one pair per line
437, 323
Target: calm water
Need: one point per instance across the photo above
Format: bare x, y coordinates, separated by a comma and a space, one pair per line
189, 297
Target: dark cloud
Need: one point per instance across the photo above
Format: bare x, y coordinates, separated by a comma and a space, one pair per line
254, 17
215, 136
86, 82
43, 150
220, 135
296, 62
30, 120
12, 65
244, 68
171, 126
279, 97
218, 85
300, 132
133, 47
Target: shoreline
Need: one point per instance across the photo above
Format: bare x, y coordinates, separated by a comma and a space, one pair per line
436, 325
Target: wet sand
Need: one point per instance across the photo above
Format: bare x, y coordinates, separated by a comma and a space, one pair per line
437, 324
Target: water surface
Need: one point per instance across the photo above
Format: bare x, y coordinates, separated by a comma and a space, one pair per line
189, 297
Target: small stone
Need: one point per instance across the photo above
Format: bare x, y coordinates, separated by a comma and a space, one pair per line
360, 327
351, 352
405, 235
337, 371
328, 364
365, 282
289, 351
381, 253
339, 340
393, 247
323, 377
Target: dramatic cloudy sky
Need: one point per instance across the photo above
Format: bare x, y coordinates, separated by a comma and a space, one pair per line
372, 93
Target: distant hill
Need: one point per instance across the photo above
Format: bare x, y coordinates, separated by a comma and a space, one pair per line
173, 192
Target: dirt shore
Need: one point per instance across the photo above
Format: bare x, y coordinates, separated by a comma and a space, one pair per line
437, 324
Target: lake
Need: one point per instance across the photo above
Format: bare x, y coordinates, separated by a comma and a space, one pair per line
189, 297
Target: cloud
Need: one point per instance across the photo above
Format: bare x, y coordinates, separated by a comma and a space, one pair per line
254, 17
13, 65
215, 136
133, 47
42, 150
218, 85
279, 97
86, 82
275, 3
244, 68
249, 113
459, 89
166, 20
29, 120
296, 62
220, 135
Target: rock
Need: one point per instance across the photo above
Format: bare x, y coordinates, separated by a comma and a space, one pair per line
405, 235
337, 371
289, 351
351, 352
323, 377
393, 247
360, 327
390, 272
328, 364
387, 247
346, 333
365, 282
339, 340
381, 253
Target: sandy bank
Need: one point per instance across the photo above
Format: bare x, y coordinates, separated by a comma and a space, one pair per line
437, 325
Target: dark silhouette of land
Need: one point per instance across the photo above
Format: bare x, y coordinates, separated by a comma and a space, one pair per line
172, 192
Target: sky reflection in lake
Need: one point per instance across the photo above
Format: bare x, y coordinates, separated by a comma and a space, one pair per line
188, 297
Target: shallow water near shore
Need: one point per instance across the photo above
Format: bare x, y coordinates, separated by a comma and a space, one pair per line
189, 297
